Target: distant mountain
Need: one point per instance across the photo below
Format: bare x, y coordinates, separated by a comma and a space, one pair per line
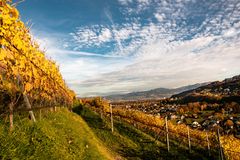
152, 94
229, 87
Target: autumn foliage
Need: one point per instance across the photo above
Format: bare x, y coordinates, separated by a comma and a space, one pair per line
179, 133
24, 68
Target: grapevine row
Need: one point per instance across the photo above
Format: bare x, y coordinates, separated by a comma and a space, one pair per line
229, 143
156, 124
24, 69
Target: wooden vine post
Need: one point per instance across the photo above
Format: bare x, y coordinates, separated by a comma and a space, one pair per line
29, 107
40, 111
111, 117
3, 70
220, 146
101, 114
209, 153
11, 115
25, 99
189, 139
168, 147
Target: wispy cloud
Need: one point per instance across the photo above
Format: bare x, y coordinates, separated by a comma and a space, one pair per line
178, 20
179, 44
175, 68
158, 44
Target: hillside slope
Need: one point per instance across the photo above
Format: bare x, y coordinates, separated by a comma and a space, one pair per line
229, 87
59, 135
135, 143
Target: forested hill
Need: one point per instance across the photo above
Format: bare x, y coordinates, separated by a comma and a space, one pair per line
229, 87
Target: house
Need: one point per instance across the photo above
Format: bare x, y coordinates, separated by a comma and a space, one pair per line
128, 106
163, 111
182, 117
174, 116
195, 116
227, 90
179, 122
210, 117
195, 124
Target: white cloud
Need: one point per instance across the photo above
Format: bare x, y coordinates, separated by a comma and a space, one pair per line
105, 35
168, 53
125, 2
179, 66
229, 33
92, 36
160, 17
139, 5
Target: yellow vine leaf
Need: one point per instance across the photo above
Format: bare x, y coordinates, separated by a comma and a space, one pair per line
28, 87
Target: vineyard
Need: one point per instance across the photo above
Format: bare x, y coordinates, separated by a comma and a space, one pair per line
28, 80
207, 143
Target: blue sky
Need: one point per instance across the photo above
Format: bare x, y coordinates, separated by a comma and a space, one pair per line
118, 46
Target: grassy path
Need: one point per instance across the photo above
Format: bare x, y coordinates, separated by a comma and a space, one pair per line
58, 135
